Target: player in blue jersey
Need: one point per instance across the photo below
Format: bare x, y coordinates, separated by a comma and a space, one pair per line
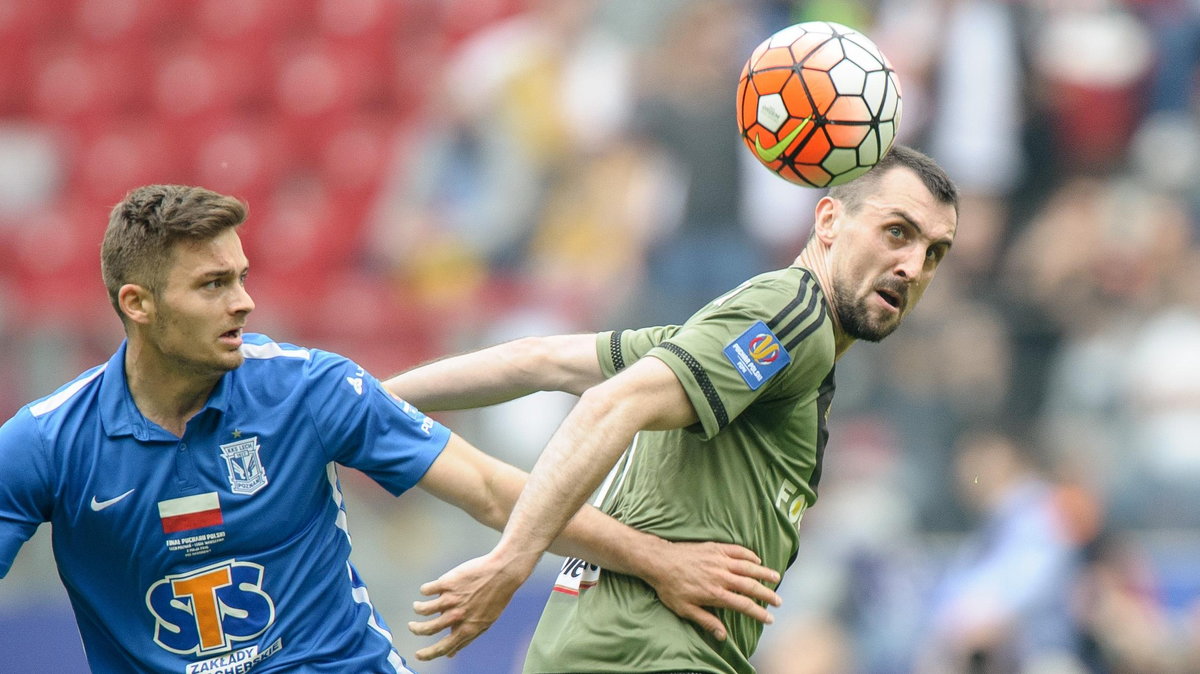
191, 480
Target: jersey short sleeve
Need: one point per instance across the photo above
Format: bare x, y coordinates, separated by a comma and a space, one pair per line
365, 427
26, 490
750, 343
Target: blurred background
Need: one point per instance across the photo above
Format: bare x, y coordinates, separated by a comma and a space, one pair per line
1013, 479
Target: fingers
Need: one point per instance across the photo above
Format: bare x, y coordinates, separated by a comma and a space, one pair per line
707, 622
756, 572
747, 582
746, 595
427, 628
434, 587
446, 647
460, 636
738, 552
750, 564
744, 605
438, 604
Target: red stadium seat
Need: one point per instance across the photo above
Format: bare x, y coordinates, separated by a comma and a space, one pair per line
55, 257
120, 21
355, 156
244, 158
358, 22
124, 154
230, 21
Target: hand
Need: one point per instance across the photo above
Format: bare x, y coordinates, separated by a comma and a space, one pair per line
692, 576
469, 598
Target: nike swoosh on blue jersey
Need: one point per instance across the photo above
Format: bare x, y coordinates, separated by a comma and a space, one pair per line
101, 505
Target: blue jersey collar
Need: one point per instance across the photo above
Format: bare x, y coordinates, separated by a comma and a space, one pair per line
120, 416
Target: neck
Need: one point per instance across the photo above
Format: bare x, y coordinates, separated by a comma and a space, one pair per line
163, 393
815, 258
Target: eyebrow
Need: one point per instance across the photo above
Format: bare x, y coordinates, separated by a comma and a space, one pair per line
221, 272
900, 213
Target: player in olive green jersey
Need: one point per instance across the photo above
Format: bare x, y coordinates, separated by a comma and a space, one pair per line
712, 430
748, 470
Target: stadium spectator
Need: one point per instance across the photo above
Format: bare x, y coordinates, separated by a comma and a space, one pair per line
1004, 601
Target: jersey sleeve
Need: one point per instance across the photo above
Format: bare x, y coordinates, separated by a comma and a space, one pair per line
365, 427
26, 490
757, 341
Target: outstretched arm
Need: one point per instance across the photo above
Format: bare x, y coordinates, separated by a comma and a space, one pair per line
647, 395
686, 576
501, 373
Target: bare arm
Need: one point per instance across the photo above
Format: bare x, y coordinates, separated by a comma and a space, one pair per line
501, 373
645, 396
687, 576
587, 445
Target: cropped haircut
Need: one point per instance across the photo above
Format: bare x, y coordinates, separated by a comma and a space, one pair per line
852, 194
144, 227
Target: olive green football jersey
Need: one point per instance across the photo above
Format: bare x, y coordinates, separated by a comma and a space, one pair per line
757, 364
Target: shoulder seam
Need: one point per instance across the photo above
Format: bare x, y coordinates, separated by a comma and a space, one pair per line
59, 399
702, 379
272, 350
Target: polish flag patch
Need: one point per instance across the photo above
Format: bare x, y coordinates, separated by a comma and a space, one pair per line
190, 512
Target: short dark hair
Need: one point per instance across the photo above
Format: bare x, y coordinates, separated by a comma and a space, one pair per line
934, 177
145, 226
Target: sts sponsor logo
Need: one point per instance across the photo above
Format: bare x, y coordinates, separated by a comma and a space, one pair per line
209, 610
757, 355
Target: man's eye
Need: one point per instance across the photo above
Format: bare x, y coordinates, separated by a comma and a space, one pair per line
896, 231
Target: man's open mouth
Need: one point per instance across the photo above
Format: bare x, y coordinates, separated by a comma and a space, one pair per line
890, 297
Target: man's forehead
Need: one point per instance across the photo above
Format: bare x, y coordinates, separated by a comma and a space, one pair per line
223, 251
901, 192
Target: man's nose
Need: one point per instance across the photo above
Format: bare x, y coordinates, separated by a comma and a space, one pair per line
242, 302
911, 263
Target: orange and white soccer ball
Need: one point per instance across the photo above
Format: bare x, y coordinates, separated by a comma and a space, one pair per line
818, 103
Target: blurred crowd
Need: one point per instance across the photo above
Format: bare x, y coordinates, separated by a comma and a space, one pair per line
1013, 478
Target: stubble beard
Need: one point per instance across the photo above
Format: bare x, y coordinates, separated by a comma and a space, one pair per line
214, 364
856, 319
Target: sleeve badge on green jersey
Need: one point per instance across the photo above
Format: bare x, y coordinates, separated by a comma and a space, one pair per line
757, 355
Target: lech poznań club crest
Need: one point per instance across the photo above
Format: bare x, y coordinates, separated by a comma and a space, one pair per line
246, 473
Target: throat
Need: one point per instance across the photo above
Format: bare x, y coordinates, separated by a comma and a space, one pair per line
814, 259
168, 400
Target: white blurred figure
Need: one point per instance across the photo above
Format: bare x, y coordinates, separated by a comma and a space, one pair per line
1163, 384
1004, 602
975, 131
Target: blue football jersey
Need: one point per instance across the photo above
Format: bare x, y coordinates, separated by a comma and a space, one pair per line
225, 550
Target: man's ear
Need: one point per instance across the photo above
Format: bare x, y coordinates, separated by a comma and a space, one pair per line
828, 211
136, 302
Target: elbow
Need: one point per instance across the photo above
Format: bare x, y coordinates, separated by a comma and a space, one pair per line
521, 364
530, 358
490, 511
501, 491
564, 363
604, 409
494, 517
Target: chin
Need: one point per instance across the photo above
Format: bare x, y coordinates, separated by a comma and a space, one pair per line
231, 361
873, 331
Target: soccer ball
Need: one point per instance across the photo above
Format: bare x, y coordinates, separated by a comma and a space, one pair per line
818, 103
